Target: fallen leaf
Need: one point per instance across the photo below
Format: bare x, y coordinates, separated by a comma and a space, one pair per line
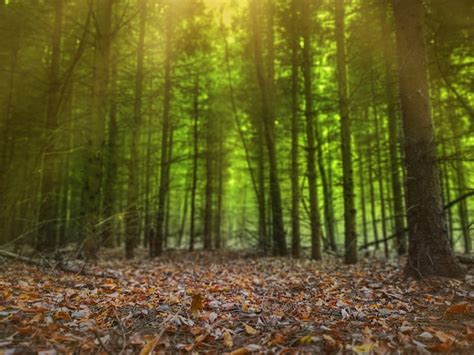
228, 342
150, 346
460, 308
250, 330
196, 304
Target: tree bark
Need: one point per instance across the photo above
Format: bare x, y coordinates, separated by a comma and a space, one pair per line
165, 131
314, 215
429, 252
49, 187
295, 188
132, 220
350, 234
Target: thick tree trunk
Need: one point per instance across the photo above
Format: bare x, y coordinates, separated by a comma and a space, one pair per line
429, 251
350, 235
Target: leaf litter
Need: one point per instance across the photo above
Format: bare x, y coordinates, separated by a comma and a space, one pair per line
199, 302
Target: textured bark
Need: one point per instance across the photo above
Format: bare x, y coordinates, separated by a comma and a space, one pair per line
350, 235
429, 252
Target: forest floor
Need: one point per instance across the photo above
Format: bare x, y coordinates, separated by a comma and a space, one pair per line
206, 302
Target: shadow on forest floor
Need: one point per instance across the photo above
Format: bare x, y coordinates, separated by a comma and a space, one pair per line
232, 302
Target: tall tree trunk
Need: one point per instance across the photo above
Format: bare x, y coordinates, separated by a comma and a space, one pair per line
265, 87
192, 231
209, 188
350, 234
460, 179
165, 131
49, 187
132, 216
380, 176
111, 165
373, 210
363, 207
295, 188
315, 218
429, 252
391, 99
95, 141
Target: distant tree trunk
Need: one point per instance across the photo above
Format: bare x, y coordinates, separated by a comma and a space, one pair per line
314, 215
49, 187
265, 87
184, 213
363, 208
148, 225
93, 168
380, 176
294, 176
460, 179
168, 198
111, 164
209, 188
350, 235
219, 191
192, 232
165, 131
391, 100
373, 210
132, 217
429, 251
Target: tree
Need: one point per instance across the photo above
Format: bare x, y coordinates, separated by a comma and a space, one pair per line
429, 252
350, 236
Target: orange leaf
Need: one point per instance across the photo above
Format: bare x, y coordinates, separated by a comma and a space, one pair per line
460, 308
150, 346
441, 347
196, 305
240, 351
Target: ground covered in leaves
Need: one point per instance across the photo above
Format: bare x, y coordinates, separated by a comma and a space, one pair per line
231, 303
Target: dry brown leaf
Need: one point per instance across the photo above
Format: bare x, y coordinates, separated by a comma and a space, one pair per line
196, 304
250, 330
240, 351
228, 342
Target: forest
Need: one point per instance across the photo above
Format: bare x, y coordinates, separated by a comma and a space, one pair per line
236, 176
